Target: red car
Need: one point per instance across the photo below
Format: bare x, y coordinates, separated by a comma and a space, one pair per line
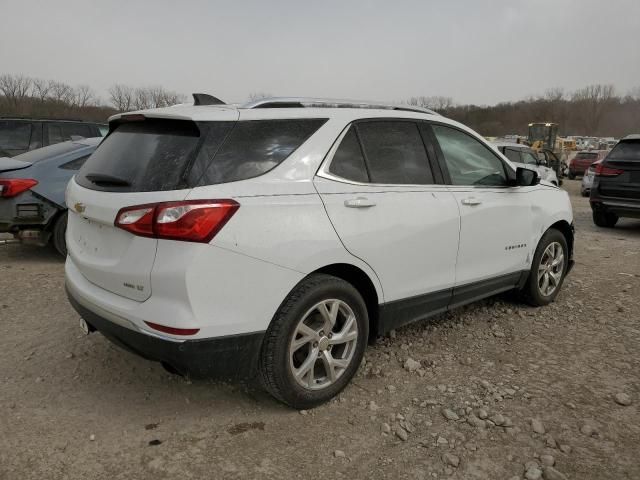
583, 160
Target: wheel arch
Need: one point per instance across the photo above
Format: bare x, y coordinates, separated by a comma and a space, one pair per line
567, 231
365, 286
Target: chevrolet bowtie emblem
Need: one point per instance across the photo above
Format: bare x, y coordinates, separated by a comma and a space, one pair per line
79, 207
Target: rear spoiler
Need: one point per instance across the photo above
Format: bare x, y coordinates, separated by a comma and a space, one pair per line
7, 164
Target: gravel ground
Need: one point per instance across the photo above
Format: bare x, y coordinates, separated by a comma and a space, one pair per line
496, 390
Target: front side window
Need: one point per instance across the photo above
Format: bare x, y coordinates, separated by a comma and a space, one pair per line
469, 161
395, 153
529, 159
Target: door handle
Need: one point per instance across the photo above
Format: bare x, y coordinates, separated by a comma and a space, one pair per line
471, 201
360, 202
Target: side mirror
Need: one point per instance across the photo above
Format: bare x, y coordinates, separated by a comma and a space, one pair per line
526, 177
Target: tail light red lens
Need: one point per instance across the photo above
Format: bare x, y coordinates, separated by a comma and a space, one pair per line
173, 330
603, 171
10, 187
187, 221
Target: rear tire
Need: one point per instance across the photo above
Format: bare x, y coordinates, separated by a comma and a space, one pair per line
315, 342
551, 260
604, 219
584, 193
59, 233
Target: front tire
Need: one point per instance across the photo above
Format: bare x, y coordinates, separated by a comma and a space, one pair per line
604, 219
315, 342
59, 233
548, 269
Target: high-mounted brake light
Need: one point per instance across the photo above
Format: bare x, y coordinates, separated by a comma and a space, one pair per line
602, 171
188, 220
10, 187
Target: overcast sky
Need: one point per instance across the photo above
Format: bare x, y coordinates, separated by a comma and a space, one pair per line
474, 51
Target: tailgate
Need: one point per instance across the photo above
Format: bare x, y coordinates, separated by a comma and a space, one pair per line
105, 255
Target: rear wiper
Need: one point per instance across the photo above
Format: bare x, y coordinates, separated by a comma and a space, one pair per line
103, 179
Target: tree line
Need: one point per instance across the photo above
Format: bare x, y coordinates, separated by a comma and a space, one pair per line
595, 110
25, 96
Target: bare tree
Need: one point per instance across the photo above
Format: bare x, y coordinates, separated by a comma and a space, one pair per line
61, 92
121, 97
255, 96
41, 89
15, 88
437, 103
592, 103
83, 96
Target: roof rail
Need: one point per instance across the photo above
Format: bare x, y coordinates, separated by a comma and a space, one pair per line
302, 102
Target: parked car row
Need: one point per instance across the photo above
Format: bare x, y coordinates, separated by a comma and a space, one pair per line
32, 189
20, 135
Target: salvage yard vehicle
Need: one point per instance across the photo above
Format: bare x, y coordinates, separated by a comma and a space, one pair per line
583, 160
616, 185
524, 156
281, 236
32, 189
20, 135
587, 179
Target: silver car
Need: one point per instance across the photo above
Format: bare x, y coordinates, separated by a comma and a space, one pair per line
587, 179
524, 156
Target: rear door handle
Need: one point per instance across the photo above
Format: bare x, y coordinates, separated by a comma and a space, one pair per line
471, 201
360, 202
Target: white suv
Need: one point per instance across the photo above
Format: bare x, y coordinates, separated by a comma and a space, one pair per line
279, 237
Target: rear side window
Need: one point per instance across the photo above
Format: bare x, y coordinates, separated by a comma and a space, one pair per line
14, 135
395, 153
142, 156
627, 150
253, 147
61, 132
586, 156
513, 155
348, 161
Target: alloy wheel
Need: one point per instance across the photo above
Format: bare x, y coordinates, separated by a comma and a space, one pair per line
551, 269
323, 344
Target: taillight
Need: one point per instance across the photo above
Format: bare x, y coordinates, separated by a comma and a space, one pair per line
603, 171
10, 187
188, 220
173, 330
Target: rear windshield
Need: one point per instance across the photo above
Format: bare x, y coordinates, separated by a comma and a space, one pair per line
586, 155
141, 157
14, 135
35, 156
628, 150
157, 155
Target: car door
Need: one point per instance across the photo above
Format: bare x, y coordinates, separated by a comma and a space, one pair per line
390, 209
495, 218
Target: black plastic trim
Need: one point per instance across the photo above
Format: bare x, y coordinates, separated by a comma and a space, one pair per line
226, 357
402, 312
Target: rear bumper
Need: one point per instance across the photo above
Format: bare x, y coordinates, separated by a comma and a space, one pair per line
227, 357
621, 207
